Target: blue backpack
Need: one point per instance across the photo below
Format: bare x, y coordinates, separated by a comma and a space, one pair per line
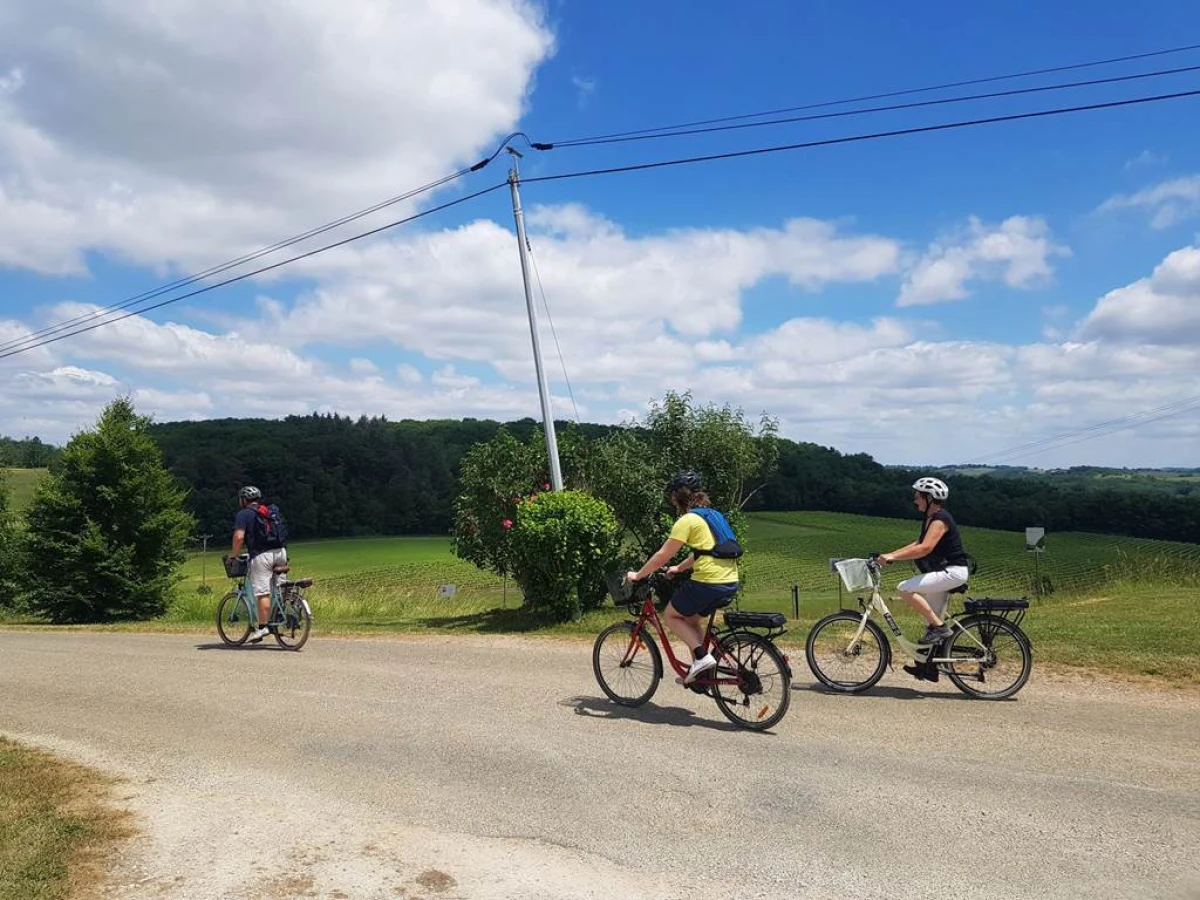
727, 546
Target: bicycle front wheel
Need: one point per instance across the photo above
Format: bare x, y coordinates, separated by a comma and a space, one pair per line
628, 666
233, 619
760, 697
990, 658
843, 662
291, 633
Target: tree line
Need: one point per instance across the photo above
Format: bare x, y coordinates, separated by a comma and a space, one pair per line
337, 476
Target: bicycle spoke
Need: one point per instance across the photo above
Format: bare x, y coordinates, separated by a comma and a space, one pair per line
627, 666
759, 697
988, 658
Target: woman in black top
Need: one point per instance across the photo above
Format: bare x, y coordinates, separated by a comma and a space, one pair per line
938, 553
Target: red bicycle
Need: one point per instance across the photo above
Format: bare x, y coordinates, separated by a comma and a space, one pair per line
752, 682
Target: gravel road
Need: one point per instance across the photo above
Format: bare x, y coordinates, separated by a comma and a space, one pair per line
490, 768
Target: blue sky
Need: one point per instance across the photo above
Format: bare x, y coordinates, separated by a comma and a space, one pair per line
928, 299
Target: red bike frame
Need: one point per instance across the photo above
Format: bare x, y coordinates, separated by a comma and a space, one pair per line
650, 614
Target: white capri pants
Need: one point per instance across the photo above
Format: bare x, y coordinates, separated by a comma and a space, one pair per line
935, 587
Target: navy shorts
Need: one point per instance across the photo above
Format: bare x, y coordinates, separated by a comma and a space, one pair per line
695, 598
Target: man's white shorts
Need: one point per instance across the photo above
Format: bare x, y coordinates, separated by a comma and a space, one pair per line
935, 587
262, 570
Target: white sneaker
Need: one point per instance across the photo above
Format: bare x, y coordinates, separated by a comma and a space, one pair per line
257, 635
703, 664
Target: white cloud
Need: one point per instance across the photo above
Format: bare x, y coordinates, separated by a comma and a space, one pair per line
1018, 250
363, 367
1163, 309
584, 89
188, 132
1167, 203
1145, 158
620, 304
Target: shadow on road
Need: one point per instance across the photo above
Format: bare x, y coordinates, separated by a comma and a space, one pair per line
888, 691
221, 645
492, 621
649, 713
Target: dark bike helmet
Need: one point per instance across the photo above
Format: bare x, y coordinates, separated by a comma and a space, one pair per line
685, 479
249, 492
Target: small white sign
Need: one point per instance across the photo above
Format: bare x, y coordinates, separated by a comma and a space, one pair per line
1035, 539
446, 591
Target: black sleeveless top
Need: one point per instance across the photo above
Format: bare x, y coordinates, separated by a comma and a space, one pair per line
948, 551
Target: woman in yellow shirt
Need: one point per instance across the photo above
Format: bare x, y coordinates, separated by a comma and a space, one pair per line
714, 582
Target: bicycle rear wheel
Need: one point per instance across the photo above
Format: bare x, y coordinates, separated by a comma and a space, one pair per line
296, 620
628, 668
233, 619
840, 661
761, 697
991, 658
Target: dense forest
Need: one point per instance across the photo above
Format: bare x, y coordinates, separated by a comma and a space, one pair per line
29, 453
337, 476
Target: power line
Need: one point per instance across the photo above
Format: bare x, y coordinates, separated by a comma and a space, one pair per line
67, 324
946, 126
890, 94
919, 104
1088, 437
1089, 432
562, 360
828, 142
259, 271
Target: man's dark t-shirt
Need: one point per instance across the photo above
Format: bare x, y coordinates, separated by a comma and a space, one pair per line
244, 521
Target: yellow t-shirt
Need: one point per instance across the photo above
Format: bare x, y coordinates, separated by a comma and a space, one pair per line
694, 531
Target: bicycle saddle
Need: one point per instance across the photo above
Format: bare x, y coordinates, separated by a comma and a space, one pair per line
961, 589
302, 583
282, 570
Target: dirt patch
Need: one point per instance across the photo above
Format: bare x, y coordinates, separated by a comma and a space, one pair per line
433, 880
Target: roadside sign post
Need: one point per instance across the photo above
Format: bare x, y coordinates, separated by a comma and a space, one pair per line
833, 561
1035, 543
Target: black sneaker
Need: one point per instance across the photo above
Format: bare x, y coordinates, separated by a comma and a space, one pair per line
935, 634
923, 672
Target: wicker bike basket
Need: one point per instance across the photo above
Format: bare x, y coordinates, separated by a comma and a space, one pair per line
236, 566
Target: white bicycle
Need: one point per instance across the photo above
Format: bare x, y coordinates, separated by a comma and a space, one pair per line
987, 655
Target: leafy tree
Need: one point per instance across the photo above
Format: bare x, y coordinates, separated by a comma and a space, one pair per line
496, 476
107, 530
8, 548
629, 468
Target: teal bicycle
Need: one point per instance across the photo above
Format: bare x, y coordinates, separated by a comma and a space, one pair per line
291, 616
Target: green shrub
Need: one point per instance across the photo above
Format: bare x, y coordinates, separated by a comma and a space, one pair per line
562, 543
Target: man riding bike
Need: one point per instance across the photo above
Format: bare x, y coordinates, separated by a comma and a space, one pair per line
263, 559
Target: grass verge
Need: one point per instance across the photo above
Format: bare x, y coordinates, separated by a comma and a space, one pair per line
56, 826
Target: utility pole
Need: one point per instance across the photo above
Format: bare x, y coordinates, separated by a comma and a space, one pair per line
204, 562
543, 390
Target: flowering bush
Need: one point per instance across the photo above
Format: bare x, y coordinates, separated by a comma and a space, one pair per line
557, 545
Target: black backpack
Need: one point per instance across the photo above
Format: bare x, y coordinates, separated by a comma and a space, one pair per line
270, 531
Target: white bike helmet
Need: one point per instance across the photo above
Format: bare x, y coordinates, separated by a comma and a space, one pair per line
934, 487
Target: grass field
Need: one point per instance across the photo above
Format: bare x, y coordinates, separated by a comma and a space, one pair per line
21, 484
56, 829
1107, 603
1116, 604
